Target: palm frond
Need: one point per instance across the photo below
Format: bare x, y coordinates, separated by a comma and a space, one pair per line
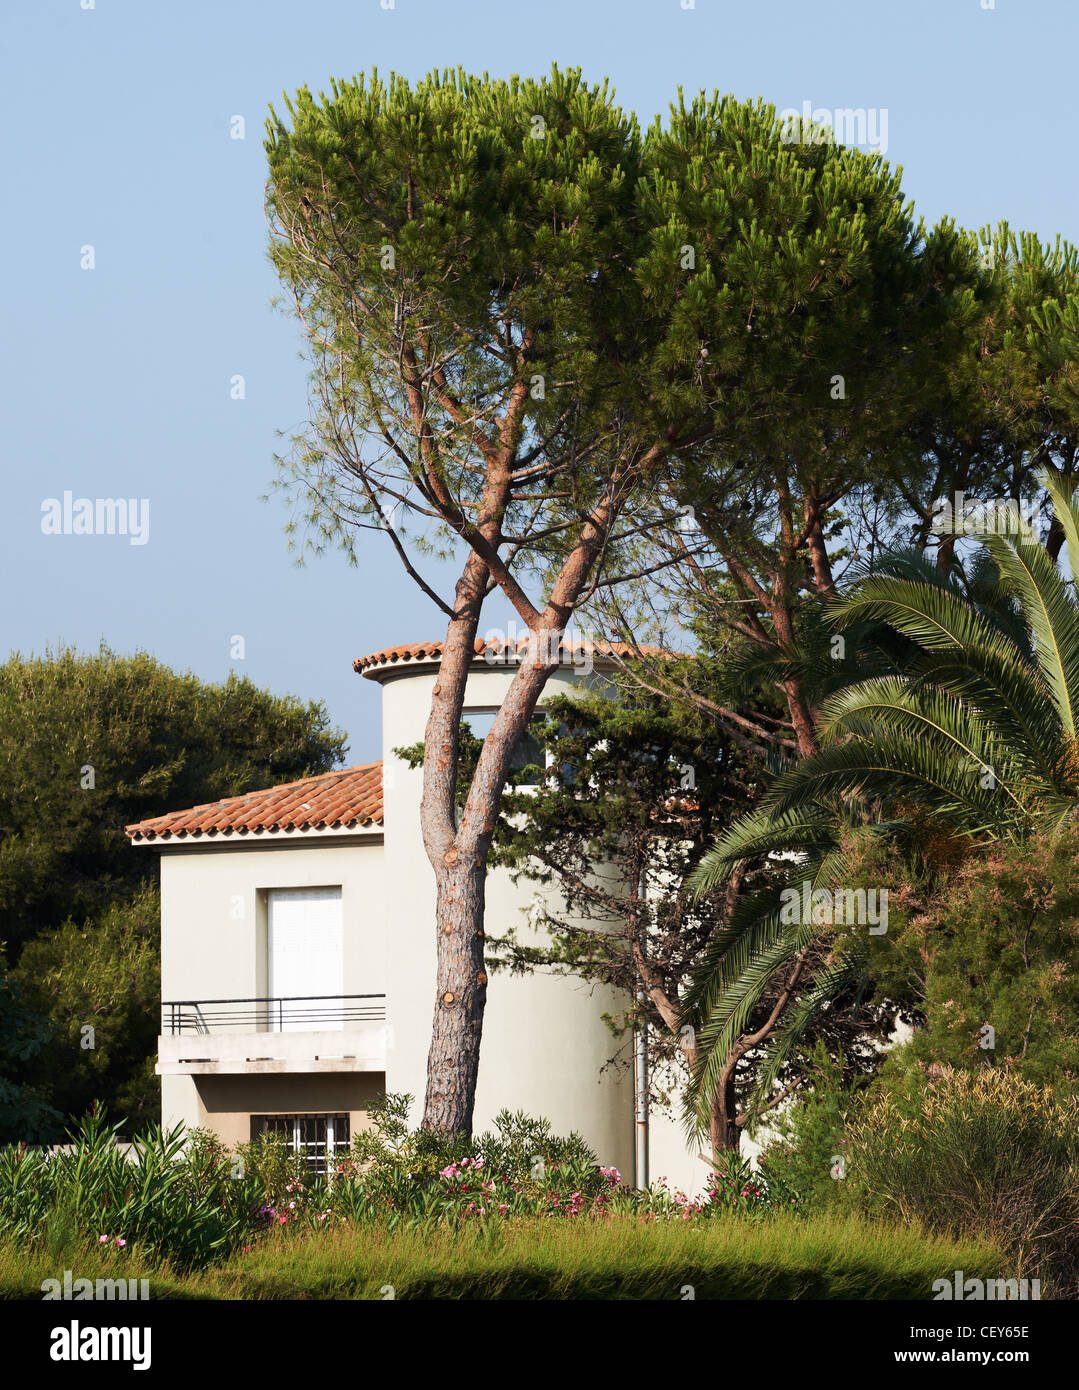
1050, 613
847, 970
761, 833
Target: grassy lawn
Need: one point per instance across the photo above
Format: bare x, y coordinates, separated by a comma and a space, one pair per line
617, 1258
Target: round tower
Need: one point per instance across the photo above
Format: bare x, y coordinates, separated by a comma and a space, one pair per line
545, 1046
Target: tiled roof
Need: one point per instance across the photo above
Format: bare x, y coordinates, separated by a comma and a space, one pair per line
396, 657
350, 797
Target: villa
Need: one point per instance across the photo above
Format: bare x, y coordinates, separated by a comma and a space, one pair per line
298, 953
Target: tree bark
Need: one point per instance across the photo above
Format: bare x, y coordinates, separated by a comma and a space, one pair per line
724, 1131
818, 555
458, 1021
453, 1060
797, 706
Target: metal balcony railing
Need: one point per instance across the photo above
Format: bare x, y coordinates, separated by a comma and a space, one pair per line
289, 1013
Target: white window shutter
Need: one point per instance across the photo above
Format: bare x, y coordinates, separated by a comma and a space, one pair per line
306, 954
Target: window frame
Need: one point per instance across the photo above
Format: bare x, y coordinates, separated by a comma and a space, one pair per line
492, 710
332, 1143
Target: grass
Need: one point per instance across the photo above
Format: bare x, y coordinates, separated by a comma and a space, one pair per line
826, 1257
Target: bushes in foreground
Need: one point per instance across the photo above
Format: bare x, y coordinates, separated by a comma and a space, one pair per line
984, 1157
520, 1169
986, 1152
954, 1152
190, 1200
159, 1203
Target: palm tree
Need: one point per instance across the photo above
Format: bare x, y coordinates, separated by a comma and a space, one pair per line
976, 726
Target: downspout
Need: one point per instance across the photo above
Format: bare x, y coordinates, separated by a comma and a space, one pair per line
640, 1077
640, 1156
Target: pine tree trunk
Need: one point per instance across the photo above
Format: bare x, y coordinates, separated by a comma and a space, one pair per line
453, 1061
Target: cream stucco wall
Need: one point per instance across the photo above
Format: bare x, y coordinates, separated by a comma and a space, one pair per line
213, 943
213, 911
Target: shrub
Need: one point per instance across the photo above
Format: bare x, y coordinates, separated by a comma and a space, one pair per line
806, 1159
986, 1152
153, 1201
520, 1169
186, 1200
269, 1167
422, 1176
995, 943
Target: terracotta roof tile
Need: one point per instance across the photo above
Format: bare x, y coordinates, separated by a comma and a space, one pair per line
350, 797
376, 663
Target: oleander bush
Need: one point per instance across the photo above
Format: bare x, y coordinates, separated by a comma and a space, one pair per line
985, 1152
155, 1200
188, 1199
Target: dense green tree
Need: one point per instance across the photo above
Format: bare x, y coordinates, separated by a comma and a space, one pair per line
99, 982
632, 797
460, 256
1007, 405
848, 316
91, 743
25, 1114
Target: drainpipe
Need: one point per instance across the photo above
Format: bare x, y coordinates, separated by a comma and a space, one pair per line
640, 1156
640, 1077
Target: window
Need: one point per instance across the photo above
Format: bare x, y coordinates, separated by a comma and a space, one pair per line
310, 1137
306, 958
529, 751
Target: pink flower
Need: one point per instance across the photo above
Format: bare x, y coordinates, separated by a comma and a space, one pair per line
449, 1172
103, 1240
120, 1242
503, 1208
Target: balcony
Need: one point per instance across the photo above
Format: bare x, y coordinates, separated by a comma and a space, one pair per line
303, 1033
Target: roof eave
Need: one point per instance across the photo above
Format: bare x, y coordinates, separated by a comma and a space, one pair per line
261, 836
422, 665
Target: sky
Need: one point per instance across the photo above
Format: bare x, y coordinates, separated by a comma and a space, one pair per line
120, 380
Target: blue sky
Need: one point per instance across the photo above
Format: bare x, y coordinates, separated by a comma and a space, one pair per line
115, 382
